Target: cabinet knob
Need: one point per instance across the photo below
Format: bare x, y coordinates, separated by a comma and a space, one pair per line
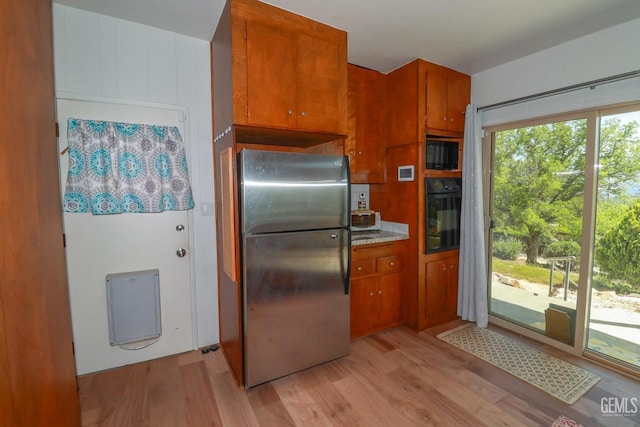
444, 118
392, 264
451, 266
379, 292
352, 151
360, 152
359, 268
304, 113
444, 268
371, 294
290, 112
451, 120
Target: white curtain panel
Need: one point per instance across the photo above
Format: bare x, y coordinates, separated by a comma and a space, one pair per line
472, 279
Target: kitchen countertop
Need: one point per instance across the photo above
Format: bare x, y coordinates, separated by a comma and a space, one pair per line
370, 237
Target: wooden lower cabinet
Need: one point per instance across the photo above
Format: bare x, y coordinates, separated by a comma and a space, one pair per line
376, 288
440, 290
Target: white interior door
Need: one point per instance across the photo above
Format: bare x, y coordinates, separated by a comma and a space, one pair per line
105, 244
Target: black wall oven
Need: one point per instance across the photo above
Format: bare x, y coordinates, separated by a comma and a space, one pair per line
443, 200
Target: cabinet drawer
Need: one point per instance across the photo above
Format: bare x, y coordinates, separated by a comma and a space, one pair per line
388, 264
363, 267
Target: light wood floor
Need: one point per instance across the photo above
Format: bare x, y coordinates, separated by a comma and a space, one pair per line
394, 378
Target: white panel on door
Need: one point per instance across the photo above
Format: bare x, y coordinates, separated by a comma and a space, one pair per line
105, 244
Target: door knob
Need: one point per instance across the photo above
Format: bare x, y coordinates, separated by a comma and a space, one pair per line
179, 227
181, 252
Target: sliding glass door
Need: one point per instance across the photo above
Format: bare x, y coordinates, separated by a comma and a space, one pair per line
614, 315
565, 234
538, 204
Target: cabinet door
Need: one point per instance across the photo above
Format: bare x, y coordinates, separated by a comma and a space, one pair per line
452, 287
435, 304
448, 93
318, 84
368, 133
363, 305
271, 75
437, 98
458, 93
389, 296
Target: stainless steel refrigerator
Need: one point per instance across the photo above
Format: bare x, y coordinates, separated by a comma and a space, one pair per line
296, 245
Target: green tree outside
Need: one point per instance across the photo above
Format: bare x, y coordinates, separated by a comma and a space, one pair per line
618, 252
539, 180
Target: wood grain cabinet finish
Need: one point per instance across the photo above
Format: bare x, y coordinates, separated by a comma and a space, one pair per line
37, 371
430, 280
368, 129
447, 96
440, 291
288, 72
376, 288
279, 83
426, 99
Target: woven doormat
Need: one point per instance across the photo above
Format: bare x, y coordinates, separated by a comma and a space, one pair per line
560, 379
563, 421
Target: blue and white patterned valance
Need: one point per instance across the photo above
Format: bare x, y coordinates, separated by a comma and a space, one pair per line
125, 168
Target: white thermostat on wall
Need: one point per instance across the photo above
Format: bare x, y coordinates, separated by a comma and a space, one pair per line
405, 173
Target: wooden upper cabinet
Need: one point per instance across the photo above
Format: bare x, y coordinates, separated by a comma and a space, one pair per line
320, 85
426, 99
288, 72
271, 76
368, 130
403, 104
436, 97
447, 96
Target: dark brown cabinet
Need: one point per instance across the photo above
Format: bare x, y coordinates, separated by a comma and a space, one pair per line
368, 130
376, 288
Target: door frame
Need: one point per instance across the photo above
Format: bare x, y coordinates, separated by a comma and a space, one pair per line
184, 118
588, 236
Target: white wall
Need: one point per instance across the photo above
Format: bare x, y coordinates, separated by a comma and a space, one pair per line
98, 57
602, 54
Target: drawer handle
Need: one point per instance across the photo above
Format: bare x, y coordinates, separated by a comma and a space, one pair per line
359, 268
392, 264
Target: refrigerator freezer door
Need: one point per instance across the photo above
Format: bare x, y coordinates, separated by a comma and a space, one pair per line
292, 191
296, 302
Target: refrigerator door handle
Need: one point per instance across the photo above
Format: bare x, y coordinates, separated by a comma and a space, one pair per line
346, 171
347, 276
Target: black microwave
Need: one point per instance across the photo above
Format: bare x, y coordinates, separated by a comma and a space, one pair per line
441, 154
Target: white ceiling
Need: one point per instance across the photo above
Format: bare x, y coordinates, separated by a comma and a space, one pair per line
466, 35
